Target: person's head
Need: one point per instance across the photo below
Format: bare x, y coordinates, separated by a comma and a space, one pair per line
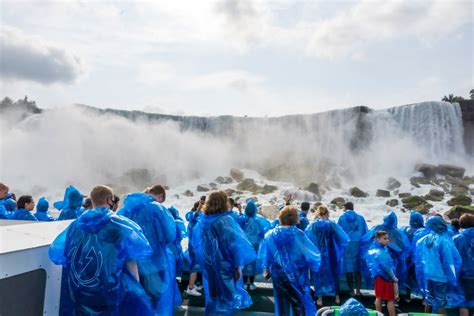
322, 212
216, 203
305, 207
3, 190
289, 216
87, 203
102, 196
42, 205
158, 192
231, 203
348, 206
26, 202
382, 237
466, 221
455, 223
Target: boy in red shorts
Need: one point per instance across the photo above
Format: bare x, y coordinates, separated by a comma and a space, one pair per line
382, 268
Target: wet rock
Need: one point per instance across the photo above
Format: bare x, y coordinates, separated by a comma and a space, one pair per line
459, 190
213, 185
382, 193
236, 174
229, 192
313, 188
459, 210
393, 184
301, 195
392, 202
203, 188
416, 181
451, 170
248, 185
267, 189
404, 195
270, 211
188, 193
430, 197
423, 208
416, 203
223, 180
339, 202
429, 171
460, 200
467, 181
437, 193
356, 192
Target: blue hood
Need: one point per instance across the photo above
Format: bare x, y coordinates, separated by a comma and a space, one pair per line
137, 199
390, 221
416, 220
42, 205
284, 235
436, 224
322, 225
251, 208
174, 212
72, 199
353, 307
10, 205
350, 215
94, 219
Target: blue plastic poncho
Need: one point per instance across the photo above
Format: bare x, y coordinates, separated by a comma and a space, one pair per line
7, 205
94, 251
157, 272
465, 244
416, 224
22, 215
192, 217
289, 255
437, 264
71, 205
353, 307
303, 221
398, 246
355, 227
221, 248
42, 211
255, 226
331, 240
275, 223
380, 262
175, 246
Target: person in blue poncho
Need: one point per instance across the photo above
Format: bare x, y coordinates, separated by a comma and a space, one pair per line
355, 227
382, 269
42, 211
7, 201
255, 226
330, 239
25, 205
193, 216
454, 227
71, 205
175, 246
98, 252
416, 224
157, 273
437, 263
222, 249
353, 307
464, 242
398, 246
287, 256
303, 216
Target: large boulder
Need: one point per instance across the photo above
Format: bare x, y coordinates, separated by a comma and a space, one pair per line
213, 186
382, 193
429, 171
236, 174
460, 200
188, 193
339, 202
392, 202
459, 210
248, 185
223, 180
437, 193
404, 195
451, 170
356, 192
393, 184
459, 190
423, 208
229, 192
416, 181
313, 188
416, 203
267, 189
202, 188
430, 197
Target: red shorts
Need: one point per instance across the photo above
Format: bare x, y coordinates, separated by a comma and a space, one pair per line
385, 290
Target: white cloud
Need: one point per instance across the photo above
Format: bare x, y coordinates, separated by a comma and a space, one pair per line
30, 58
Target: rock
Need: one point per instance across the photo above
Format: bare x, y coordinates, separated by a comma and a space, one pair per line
416, 203
236, 174
429, 171
460, 200
267, 189
430, 197
423, 208
459, 210
229, 192
223, 180
392, 202
166, 187
188, 193
248, 185
202, 188
313, 188
339, 202
459, 190
416, 181
213, 185
437, 193
382, 193
356, 192
404, 195
467, 181
393, 184
451, 170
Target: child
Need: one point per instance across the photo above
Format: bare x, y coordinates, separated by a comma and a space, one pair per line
25, 205
193, 216
287, 256
99, 252
382, 268
222, 248
42, 211
71, 206
355, 227
330, 239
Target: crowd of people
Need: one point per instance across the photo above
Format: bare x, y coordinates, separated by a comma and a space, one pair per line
125, 261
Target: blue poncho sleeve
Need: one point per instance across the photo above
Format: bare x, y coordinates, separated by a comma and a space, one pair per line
56, 249
136, 246
240, 250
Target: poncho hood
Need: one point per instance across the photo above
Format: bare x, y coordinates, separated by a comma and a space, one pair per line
436, 224
94, 219
42, 205
390, 221
251, 208
416, 220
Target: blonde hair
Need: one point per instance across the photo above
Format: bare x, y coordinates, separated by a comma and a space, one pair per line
322, 211
100, 194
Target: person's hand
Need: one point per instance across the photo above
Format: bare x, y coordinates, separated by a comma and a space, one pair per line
238, 274
267, 274
395, 280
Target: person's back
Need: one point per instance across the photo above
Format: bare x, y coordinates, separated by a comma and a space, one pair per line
71, 205
42, 211
98, 252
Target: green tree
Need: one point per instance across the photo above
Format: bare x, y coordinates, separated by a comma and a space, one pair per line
451, 98
472, 94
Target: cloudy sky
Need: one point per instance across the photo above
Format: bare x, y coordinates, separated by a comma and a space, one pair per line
242, 57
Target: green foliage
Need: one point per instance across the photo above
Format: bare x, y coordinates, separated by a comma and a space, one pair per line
451, 98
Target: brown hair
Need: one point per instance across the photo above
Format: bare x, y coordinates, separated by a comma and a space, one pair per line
156, 189
289, 216
380, 233
100, 194
4, 187
466, 221
216, 203
322, 211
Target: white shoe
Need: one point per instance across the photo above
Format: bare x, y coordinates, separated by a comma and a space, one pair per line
197, 287
192, 292
252, 287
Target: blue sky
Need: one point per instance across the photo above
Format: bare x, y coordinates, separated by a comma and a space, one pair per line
235, 57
